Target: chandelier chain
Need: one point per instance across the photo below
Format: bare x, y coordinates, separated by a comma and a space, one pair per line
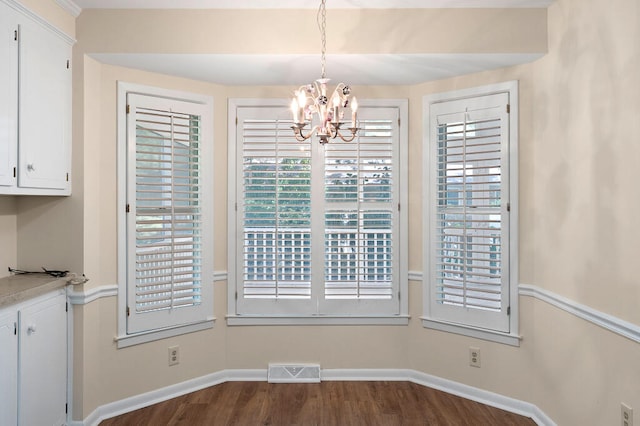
322, 24
312, 99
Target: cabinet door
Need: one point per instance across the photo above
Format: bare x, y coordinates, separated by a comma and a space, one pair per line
8, 367
45, 108
43, 363
8, 94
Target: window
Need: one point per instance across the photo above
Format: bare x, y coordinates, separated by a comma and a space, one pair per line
318, 228
471, 211
166, 182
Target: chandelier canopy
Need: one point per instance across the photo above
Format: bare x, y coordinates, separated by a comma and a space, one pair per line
312, 101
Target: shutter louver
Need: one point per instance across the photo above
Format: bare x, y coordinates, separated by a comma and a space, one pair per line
359, 214
276, 211
167, 210
468, 224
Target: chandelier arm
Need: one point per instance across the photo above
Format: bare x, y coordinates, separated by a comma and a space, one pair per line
334, 130
354, 130
297, 132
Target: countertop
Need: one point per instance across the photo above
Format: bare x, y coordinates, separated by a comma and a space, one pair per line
16, 288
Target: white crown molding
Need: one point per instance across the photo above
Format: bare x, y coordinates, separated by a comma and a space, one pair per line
309, 4
475, 394
70, 6
606, 321
15, 4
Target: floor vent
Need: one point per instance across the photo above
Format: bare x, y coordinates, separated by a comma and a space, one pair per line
294, 373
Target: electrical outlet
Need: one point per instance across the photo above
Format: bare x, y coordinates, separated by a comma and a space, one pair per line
174, 355
474, 357
626, 414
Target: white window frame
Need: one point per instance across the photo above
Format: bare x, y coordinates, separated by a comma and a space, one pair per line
233, 317
206, 320
467, 326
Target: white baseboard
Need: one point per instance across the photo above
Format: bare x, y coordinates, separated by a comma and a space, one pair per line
126, 405
482, 396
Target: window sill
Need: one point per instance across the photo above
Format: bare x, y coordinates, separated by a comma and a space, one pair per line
150, 336
317, 320
478, 333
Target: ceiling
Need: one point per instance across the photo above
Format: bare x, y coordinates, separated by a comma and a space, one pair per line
284, 69
276, 70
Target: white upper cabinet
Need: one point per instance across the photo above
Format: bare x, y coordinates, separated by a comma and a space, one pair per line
8, 95
45, 109
35, 105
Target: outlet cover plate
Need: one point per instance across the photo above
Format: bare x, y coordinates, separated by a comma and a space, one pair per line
626, 415
174, 355
474, 357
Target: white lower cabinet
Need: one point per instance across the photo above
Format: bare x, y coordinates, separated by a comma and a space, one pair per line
33, 343
8, 367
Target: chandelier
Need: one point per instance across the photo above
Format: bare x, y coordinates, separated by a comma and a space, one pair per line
312, 99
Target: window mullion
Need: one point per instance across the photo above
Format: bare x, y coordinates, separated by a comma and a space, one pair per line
276, 223
318, 207
465, 240
173, 212
359, 231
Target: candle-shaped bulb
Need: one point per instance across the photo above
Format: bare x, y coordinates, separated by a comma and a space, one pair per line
295, 110
336, 108
354, 111
302, 99
302, 102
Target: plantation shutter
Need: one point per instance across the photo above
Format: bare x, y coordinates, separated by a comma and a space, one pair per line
165, 229
361, 217
470, 227
316, 225
275, 214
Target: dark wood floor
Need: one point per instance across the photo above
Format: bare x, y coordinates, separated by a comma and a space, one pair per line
326, 403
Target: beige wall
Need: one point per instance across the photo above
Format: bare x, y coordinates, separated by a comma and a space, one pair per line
8, 234
584, 203
288, 31
586, 155
578, 200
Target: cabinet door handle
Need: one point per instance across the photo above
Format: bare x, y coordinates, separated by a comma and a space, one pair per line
31, 329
